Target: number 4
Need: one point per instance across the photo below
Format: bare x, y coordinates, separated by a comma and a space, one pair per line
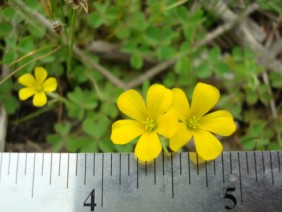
92, 203
231, 197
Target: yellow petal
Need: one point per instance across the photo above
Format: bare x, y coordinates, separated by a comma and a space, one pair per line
159, 100
220, 122
132, 104
124, 131
195, 158
25, 93
204, 98
181, 104
207, 145
39, 99
167, 124
27, 80
50, 84
40, 74
180, 138
148, 147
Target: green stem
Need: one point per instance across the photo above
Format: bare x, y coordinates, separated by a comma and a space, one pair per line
54, 5
164, 145
32, 115
57, 97
73, 15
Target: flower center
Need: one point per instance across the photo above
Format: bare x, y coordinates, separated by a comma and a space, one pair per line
38, 87
193, 122
150, 124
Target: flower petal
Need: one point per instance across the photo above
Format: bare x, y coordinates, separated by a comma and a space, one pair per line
180, 138
159, 100
204, 98
195, 158
181, 104
148, 147
207, 145
27, 80
40, 74
132, 104
220, 122
124, 131
50, 84
25, 93
167, 124
39, 99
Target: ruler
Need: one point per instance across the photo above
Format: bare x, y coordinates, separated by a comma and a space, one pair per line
235, 181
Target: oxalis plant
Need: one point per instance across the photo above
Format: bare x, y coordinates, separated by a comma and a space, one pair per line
136, 77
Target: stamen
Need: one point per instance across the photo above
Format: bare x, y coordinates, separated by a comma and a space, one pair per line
193, 122
150, 124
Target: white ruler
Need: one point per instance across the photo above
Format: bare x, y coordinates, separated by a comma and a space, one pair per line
235, 181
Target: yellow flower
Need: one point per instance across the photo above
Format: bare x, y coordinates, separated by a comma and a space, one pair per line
149, 120
37, 86
194, 122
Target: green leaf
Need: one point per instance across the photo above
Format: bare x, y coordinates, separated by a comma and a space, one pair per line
276, 79
56, 141
264, 95
96, 126
213, 54
63, 129
106, 146
125, 148
181, 13
165, 52
6, 28
82, 144
203, 70
251, 96
248, 143
153, 35
136, 61
182, 65
237, 54
95, 20
11, 104
8, 57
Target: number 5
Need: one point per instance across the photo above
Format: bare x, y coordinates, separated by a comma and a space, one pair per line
231, 197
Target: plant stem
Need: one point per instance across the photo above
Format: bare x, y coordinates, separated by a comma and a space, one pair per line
73, 15
164, 145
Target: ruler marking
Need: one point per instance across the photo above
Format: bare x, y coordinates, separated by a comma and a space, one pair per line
76, 166
85, 161
222, 167
146, 168
119, 168
197, 163
240, 178
94, 164
25, 164
9, 163
247, 162
172, 181
206, 170
128, 165
51, 168
180, 164
137, 177
33, 176
230, 158
189, 174
102, 192
271, 168
255, 160
263, 167
155, 177
1, 166
17, 168
111, 164
278, 158
68, 170
214, 168
59, 164
163, 164
42, 165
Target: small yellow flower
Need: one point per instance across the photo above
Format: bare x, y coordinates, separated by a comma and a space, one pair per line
194, 122
37, 86
149, 121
